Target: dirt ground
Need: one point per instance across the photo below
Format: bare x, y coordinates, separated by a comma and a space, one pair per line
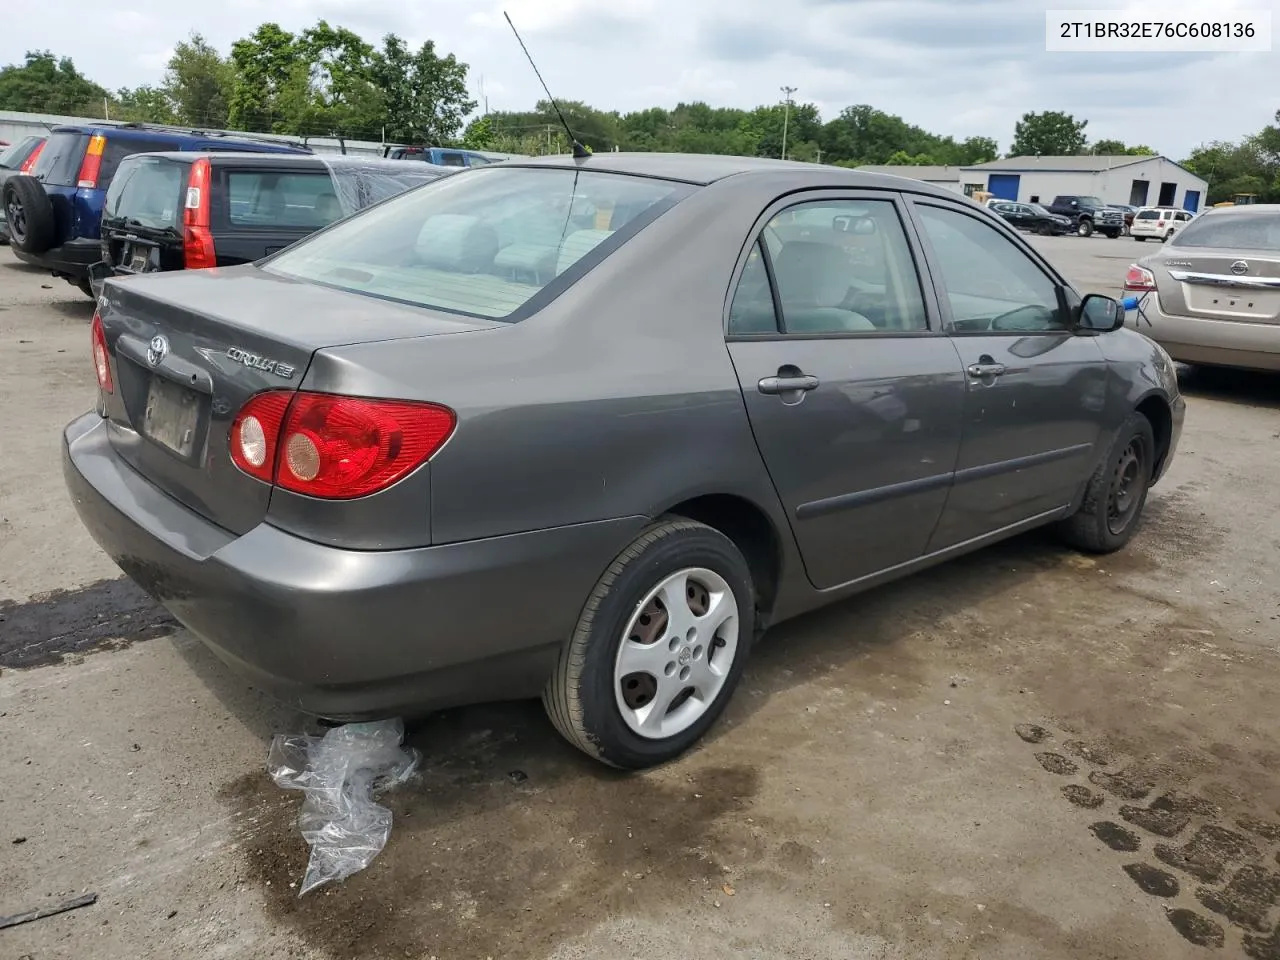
1027, 754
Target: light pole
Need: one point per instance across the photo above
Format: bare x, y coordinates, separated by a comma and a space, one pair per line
786, 116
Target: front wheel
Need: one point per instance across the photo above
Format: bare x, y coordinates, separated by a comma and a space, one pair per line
1117, 491
1085, 228
1112, 234
658, 649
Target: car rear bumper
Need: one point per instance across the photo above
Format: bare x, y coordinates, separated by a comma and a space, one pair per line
347, 634
71, 260
1226, 343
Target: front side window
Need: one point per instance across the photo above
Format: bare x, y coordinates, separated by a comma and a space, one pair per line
991, 285
838, 266
485, 242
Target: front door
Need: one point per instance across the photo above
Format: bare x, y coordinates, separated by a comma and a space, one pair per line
1034, 391
854, 395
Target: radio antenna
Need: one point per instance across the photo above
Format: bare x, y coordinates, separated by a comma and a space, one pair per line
580, 152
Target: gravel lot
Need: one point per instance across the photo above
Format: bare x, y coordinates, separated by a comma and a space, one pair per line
1025, 754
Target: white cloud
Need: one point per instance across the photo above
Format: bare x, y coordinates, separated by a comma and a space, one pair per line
964, 67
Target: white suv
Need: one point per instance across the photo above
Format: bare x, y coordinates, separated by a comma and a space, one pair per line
1159, 222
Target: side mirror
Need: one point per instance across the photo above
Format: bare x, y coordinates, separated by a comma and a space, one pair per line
1100, 314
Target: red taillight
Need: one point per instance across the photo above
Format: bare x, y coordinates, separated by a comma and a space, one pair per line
91, 165
30, 162
197, 248
255, 432
1139, 278
335, 448
101, 364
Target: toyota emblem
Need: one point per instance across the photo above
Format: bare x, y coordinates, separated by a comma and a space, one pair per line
157, 350
1239, 268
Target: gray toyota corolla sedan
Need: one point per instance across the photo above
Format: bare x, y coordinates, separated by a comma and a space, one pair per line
586, 428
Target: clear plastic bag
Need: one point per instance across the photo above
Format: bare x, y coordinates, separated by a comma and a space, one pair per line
339, 773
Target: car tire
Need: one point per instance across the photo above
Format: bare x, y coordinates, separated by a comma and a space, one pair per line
1167, 237
1119, 486
29, 214
1112, 234
1085, 228
589, 691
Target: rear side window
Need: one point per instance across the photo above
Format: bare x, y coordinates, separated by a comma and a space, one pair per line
485, 243
148, 190
450, 159
118, 148
272, 199
1250, 231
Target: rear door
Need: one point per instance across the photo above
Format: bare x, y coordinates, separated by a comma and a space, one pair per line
1224, 267
853, 395
260, 207
142, 215
1035, 392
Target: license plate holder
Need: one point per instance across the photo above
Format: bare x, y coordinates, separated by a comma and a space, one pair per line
140, 259
171, 417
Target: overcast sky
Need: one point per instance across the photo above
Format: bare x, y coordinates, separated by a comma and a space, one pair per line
965, 67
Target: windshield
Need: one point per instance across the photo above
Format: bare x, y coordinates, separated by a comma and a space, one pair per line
1245, 232
483, 243
146, 192
1091, 202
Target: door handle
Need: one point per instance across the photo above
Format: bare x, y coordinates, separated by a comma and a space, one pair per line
777, 385
985, 368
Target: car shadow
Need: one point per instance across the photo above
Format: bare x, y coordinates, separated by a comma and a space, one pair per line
73, 309
1248, 387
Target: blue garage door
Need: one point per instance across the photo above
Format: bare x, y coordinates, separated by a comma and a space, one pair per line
1004, 186
1192, 202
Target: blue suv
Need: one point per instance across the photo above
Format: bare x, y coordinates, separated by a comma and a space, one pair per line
54, 213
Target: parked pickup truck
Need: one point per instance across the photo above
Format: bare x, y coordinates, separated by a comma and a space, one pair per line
1089, 214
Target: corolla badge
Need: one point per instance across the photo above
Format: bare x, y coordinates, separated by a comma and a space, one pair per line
255, 361
1240, 268
157, 350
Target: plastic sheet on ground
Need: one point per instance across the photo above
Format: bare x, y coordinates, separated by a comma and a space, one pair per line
339, 773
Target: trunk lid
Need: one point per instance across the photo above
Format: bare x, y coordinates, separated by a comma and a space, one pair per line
1213, 283
188, 348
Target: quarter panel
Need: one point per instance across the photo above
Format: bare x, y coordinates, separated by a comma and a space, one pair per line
618, 398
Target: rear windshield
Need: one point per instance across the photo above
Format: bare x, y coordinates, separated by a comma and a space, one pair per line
1251, 231
13, 156
147, 192
272, 199
1146, 215
485, 242
60, 160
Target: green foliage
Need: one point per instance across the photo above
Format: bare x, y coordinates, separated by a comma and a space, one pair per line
1250, 166
198, 83
45, 84
145, 104
1048, 134
1117, 148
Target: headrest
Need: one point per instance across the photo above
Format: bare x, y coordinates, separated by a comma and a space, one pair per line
452, 241
812, 273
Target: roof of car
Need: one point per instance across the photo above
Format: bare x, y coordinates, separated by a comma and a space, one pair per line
1243, 210
703, 169
298, 159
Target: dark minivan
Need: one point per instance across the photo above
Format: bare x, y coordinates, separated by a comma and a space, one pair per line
174, 211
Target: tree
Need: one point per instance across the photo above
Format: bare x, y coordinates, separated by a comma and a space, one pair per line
1048, 134
143, 104
198, 82
266, 63
44, 84
1117, 148
425, 94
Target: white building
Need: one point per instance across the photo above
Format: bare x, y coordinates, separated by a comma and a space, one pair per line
946, 177
1139, 181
